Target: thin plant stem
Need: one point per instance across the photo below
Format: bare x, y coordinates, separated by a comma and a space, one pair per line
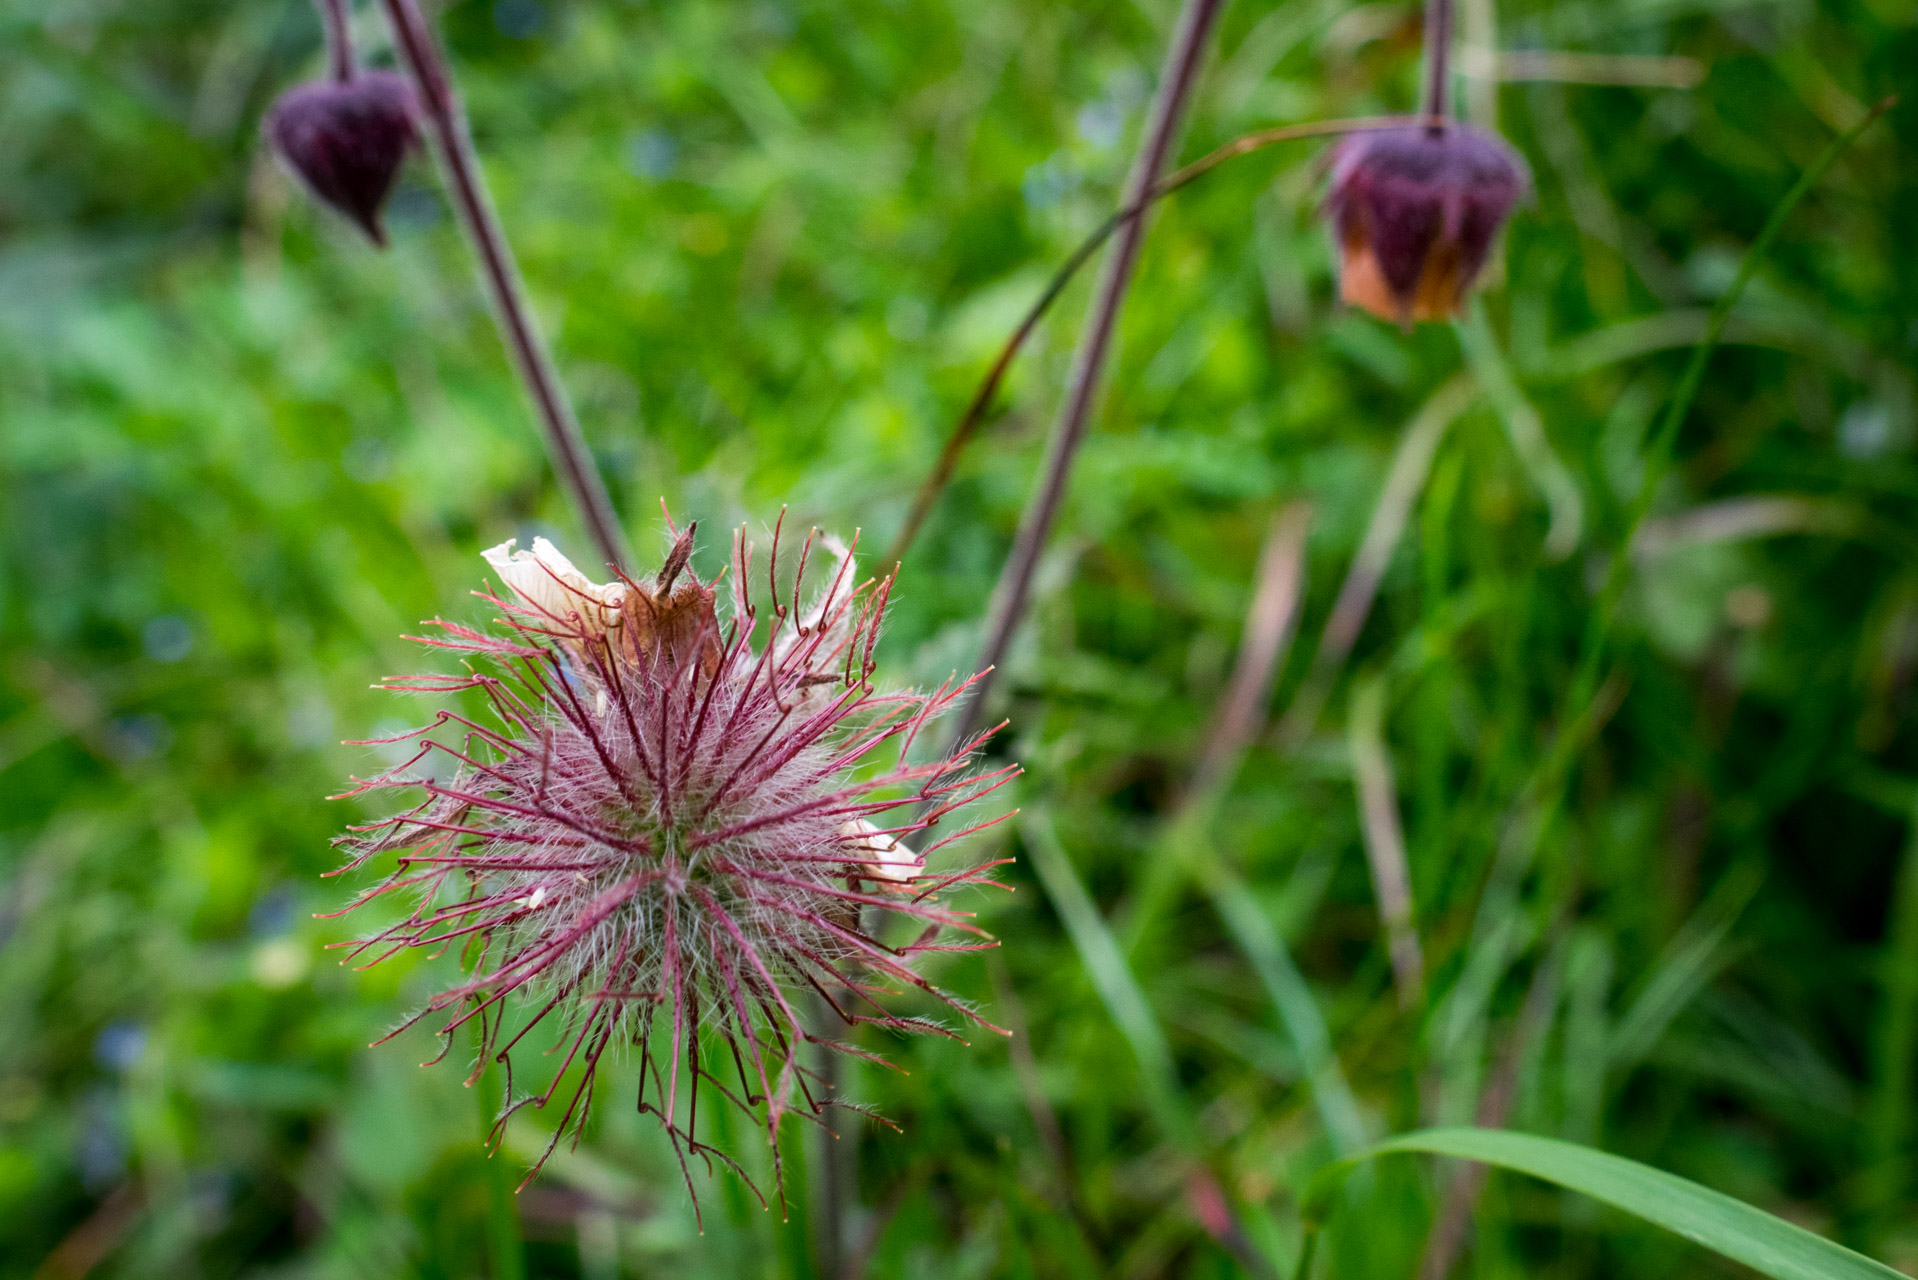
976, 409
337, 20
1270, 624
1450, 1228
1183, 847
534, 363
1176, 82
1437, 105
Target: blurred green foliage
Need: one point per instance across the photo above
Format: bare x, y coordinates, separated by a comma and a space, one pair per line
775, 242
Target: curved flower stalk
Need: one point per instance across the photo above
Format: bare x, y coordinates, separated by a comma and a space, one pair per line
667, 829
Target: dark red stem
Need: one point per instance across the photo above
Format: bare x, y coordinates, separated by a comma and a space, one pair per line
531, 359
335, 17
1438, 60
1176, 82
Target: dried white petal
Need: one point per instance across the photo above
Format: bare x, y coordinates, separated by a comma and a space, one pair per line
890, 861
546, 581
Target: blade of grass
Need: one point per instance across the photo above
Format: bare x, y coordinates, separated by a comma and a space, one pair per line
1525, 429
1694, 958
1411, 464
1710, 1218
1111, 976
1270, 623
1123, 998
1252, 930
1186, 845
1659, 452
1385, 839
1446, 1240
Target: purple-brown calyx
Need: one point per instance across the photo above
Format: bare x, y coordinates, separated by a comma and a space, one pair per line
1416, 211
346, 139
675, 832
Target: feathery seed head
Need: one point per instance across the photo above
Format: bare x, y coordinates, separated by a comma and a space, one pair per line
673, 833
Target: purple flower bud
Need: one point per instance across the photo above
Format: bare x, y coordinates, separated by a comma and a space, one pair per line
1416, 210
345, 139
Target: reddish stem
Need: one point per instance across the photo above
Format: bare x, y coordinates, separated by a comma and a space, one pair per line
1438, 61
1176, 82
334, 17
531, 359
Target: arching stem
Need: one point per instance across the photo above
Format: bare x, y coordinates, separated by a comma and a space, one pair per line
981, 402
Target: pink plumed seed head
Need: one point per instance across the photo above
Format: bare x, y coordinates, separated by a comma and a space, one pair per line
673, 832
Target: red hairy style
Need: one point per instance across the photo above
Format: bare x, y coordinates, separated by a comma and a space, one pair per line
675, 834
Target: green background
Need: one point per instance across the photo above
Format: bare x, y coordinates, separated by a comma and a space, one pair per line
775, 244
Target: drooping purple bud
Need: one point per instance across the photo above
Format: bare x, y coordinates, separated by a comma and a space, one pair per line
1416, 210
346, 139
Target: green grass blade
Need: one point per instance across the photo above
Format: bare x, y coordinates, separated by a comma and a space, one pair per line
1658, 454
1526, 430
1726, 1226
1696, 957
1298, 1010
1111, 976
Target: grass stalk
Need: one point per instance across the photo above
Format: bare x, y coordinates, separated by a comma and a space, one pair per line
1411, 465
1125, 1000
1658, 454
1385, 840
1270, 624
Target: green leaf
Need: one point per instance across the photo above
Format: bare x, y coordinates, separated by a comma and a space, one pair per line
1726, 1226
1298, 1009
